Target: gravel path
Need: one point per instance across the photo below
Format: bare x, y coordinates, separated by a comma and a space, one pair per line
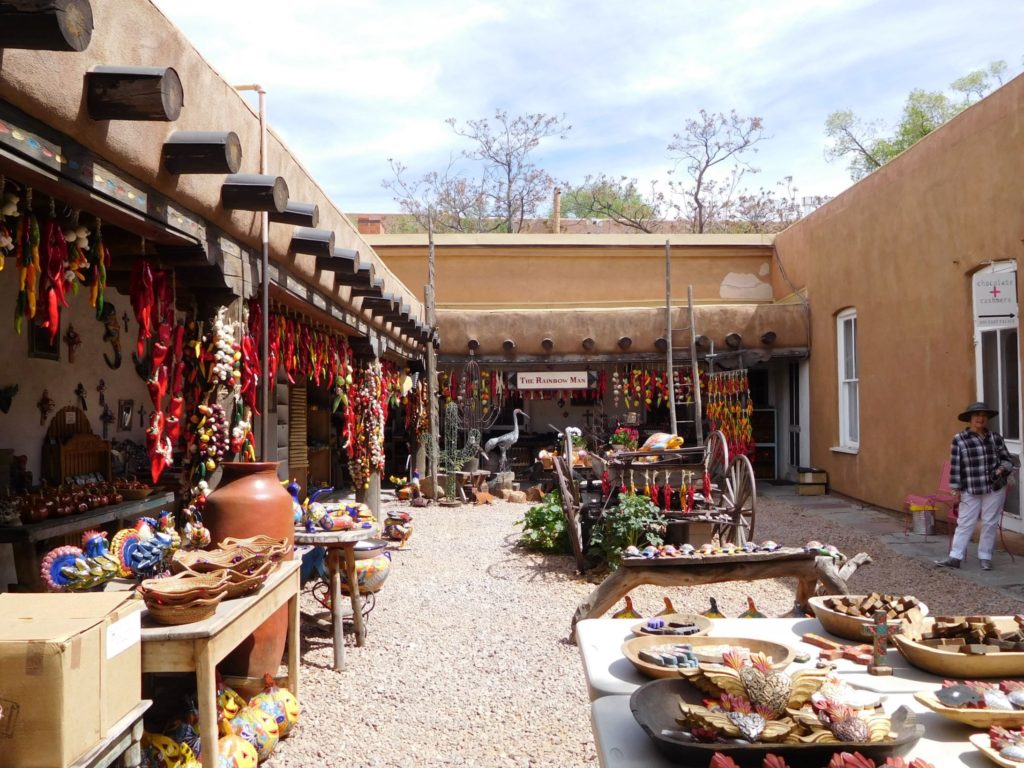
467, 663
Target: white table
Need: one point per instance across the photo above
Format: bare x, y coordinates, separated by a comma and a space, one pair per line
609, 673
622, 743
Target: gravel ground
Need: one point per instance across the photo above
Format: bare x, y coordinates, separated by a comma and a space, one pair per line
467, 663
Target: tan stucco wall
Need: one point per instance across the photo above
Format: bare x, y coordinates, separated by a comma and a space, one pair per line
49, 86
900, 247
548, 271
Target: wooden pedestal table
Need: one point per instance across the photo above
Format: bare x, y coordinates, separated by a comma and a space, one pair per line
197, 647
341, 545
807, 567
24, 538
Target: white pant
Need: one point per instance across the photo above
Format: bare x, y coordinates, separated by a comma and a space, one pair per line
987, 506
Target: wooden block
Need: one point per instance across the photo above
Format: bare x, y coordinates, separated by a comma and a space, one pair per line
821, 642
978, 649
879, 670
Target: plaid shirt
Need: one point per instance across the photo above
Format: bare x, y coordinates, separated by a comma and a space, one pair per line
973, 458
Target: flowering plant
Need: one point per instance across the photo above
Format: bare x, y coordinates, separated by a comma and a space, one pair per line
627, 437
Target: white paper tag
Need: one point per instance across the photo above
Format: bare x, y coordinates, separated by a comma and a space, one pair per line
123, 634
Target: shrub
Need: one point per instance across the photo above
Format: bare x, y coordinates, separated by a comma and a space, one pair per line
635, 521
544, 526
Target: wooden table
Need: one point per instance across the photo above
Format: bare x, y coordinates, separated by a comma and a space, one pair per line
197, 647
688, 571
23, 538
121, 745
341, 545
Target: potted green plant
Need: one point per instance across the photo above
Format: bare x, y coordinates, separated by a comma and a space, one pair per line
634, 521
625, 439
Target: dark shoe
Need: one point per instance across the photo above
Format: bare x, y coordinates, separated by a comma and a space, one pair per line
986, 565
949, 562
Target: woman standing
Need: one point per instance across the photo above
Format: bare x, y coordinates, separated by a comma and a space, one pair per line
979, 466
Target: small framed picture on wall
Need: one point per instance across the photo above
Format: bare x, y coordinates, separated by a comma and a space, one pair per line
39, 344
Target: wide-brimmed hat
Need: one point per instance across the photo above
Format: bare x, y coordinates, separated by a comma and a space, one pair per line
978, 407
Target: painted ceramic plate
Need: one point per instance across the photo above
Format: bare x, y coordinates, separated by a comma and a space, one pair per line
982, 743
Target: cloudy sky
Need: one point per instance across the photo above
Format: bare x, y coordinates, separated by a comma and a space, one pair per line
351, 83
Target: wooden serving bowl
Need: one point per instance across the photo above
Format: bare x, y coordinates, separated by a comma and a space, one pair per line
952, 664
844, 625
780, 655
978, 718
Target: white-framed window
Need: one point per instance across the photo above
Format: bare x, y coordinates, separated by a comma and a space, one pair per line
849, 381
996, 336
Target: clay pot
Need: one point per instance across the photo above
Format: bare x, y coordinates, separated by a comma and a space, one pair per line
250, 501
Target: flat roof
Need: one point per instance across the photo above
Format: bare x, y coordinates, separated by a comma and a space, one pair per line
553, 240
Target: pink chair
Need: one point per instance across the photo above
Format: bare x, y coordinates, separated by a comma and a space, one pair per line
943, 496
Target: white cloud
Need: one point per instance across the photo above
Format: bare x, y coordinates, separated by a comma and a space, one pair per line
353, 82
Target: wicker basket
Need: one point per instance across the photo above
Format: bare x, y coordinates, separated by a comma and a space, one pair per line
206, 561
182, 588
240, 584
197, 610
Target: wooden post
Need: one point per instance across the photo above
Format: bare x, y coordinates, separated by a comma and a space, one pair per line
202, 152
298, 215
318, 242
55, 25
254, 192
133, 93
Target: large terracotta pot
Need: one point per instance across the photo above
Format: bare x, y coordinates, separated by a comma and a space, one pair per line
250, 501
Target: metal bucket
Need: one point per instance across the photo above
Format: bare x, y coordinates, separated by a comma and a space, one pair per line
923, 521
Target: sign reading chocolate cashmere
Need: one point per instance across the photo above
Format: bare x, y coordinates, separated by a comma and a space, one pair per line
556, 380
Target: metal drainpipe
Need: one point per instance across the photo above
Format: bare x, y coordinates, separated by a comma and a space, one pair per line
264, 281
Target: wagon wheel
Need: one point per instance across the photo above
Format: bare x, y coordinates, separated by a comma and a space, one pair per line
739, 499
716, 459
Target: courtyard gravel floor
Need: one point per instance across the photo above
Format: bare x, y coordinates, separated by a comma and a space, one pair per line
467, 661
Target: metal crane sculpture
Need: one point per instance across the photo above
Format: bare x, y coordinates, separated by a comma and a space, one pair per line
506, 441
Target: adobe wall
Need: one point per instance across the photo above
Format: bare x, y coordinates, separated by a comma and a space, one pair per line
900, 247
543, 271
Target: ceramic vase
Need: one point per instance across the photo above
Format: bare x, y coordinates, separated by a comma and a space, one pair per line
249, 501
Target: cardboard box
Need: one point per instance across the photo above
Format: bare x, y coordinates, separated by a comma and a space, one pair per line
810, 489
811, 475
71, 668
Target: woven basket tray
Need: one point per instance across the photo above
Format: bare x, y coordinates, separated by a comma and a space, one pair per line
240, 584
182, 588
197, 610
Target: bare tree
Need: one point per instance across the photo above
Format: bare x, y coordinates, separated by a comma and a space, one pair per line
507, 188
705, 147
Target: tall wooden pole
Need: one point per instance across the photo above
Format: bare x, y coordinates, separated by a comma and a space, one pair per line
433, 449
673, 426
698, 408
264, 283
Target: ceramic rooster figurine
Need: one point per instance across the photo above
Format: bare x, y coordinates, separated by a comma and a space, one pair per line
628, 612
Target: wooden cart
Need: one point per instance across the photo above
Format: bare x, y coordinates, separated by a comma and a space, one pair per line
731, 494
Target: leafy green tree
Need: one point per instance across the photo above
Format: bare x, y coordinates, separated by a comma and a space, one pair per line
866, 149
620, 200
503, 185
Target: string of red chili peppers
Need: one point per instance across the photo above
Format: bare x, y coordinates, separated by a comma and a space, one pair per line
730, 408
